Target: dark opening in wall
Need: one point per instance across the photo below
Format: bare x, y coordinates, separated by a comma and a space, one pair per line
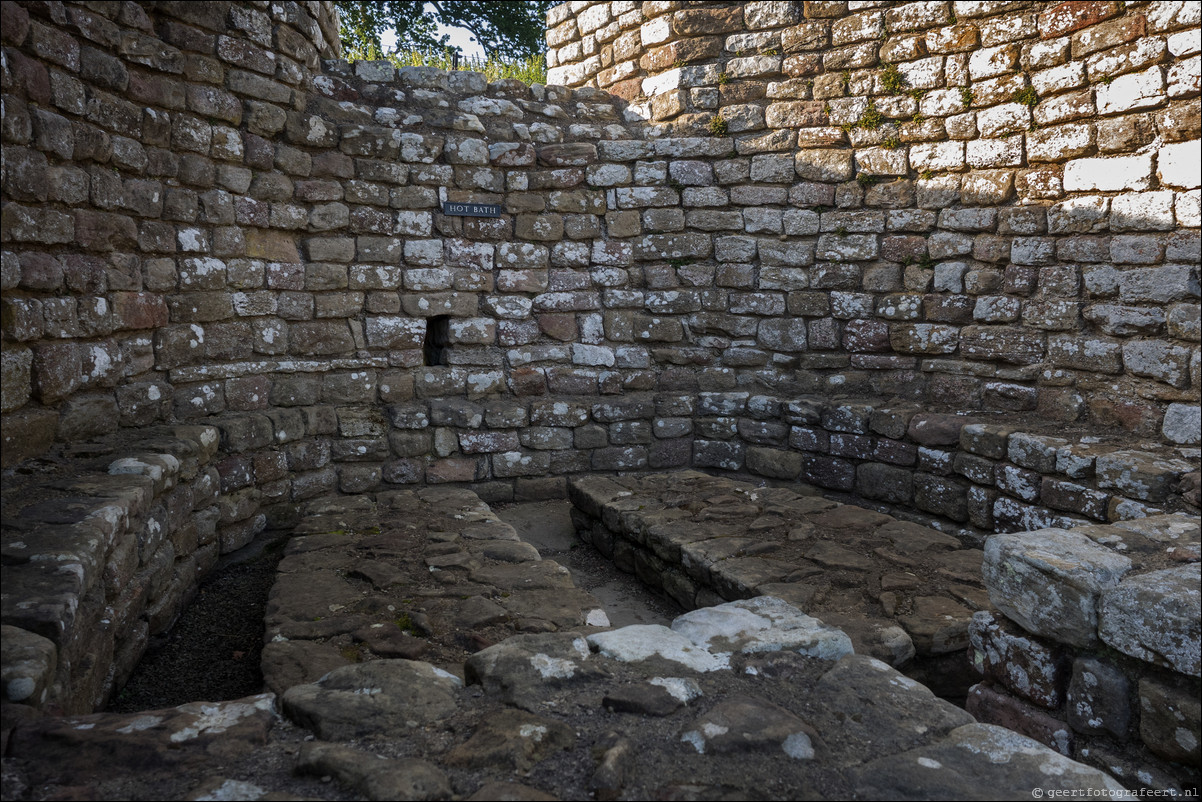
438, 338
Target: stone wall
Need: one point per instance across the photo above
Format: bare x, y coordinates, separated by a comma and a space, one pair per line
204, 223
980, 203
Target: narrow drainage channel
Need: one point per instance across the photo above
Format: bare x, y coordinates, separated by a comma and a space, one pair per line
212, 652
547, 525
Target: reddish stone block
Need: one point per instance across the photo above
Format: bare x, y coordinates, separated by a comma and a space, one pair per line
277, 246
702, 21
1132, 416
270, 466
628, 89
1074, 15
948, 308
866, 336
560, 327
823, 8
452, 470
897, 247
572, 154
236, 471
682, 51
936, 429
802, 64
527, 382
248, 392
989, 706
103, 231
286, 275
139, 310
29, 74
1107, 35
1073, 497
14, 24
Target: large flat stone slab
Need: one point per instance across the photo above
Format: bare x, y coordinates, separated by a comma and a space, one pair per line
372, 698
978, 761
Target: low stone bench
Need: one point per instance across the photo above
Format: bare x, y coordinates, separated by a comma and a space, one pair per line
972, 473
104, 554
1096, 648
903, 591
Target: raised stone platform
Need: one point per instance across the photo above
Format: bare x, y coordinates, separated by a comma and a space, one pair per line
428, 573
105, 541
906, 593
748, 698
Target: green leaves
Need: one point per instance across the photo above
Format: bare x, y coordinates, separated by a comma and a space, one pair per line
509, 30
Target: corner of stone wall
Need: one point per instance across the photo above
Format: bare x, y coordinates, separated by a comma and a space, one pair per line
1094, 648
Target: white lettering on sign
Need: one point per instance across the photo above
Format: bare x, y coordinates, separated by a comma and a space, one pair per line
472, 209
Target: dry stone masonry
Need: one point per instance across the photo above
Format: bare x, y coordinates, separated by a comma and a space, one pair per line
1104, 660
940, 259
202, 217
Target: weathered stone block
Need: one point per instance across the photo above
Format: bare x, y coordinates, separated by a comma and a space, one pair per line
1170, 717
990, 706
1027, 666
1051, 582
1139, 475
941, 495
1154, 617
885, 483
1098, 698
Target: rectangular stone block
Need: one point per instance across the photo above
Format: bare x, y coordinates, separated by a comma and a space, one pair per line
1026, 666
1051, 582
1154, 617
832, 473
774, 462
941, 495
1109, 175
1098, 698
1139, 475
990, 706
885, 483
1167, 710
1071, 497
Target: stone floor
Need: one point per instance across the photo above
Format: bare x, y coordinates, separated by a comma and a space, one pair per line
419, 650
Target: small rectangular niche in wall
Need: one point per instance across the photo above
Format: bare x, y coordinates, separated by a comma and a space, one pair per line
438, 339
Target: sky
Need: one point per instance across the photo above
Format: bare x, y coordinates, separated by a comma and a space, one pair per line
459, 37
